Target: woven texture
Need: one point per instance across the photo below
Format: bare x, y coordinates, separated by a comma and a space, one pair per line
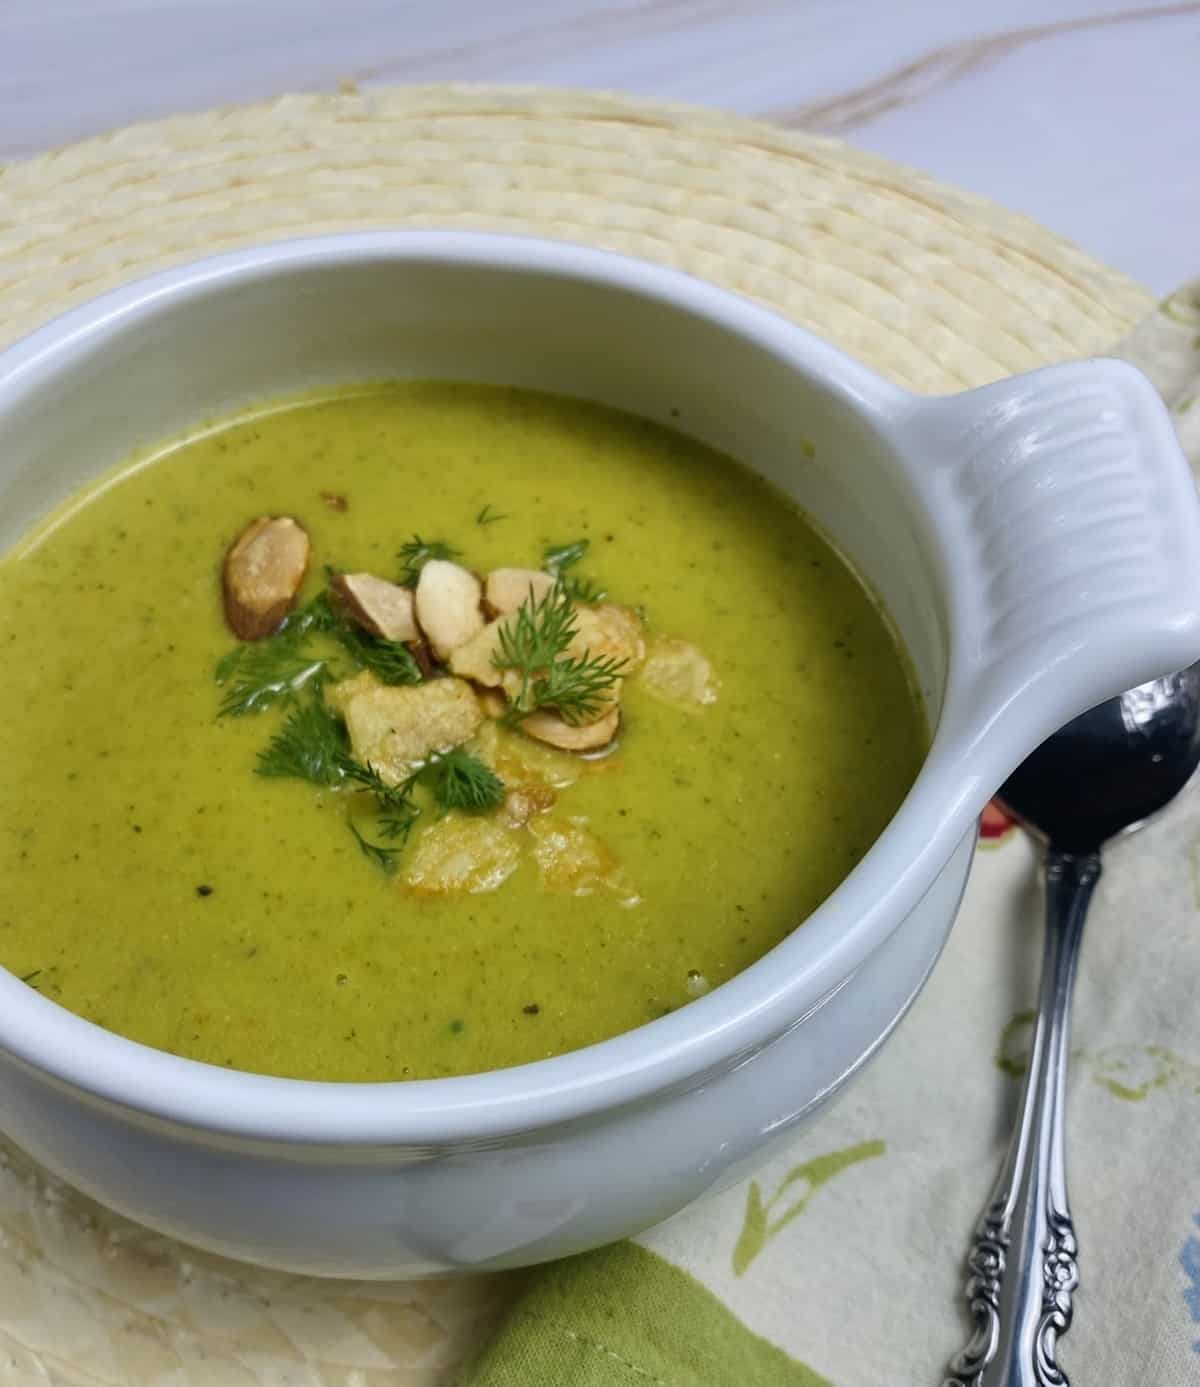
934, 288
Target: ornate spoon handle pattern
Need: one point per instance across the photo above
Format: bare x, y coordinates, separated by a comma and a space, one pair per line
1022, 1265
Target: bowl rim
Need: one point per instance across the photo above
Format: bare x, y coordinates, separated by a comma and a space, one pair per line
681, 1049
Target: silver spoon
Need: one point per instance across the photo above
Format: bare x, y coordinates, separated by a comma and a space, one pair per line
1103, 774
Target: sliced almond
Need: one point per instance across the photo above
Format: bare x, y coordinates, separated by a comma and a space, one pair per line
262, 575
476, 661
382, 608
421, 653
474, 658
506, 589
555, 731
396, 728
447, 605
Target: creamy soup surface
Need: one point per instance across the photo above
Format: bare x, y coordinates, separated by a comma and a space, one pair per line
155, 884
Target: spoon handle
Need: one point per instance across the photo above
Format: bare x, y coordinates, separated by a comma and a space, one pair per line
1022, 1265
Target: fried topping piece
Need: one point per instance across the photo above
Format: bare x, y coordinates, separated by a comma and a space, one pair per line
573, 861
462, 854
382, 608
397, 728
678, 673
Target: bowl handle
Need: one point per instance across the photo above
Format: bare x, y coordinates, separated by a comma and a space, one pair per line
1072, 549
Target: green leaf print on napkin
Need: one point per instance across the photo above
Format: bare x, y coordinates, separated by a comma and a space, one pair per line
1128, 1072
757, 1228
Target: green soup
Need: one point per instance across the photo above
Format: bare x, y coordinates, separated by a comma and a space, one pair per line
153, 883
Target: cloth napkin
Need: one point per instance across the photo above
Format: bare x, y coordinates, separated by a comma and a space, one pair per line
842, 1262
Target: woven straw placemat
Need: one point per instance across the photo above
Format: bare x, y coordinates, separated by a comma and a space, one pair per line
935, 288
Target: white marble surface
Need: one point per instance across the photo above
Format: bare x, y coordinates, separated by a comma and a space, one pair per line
1084, 116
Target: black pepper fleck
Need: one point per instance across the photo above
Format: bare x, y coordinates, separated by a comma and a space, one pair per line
532, 1009
200, 890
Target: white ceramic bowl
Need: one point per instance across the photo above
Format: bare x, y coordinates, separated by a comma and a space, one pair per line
1035, 542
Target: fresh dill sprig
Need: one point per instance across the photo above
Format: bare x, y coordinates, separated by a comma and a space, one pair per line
311, 745
583, 589
258, 673
531, 642
488, 516
391, 799
575, 687
391, 662
460, 780
417, 552
317, 615
558, 558
385, 858
399, 822
397, 812
534, 645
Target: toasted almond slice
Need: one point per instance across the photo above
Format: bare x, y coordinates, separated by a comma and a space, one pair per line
462, 855
262, 575
506, 589
447, 605
421, 653
555, 731
474, 659
395, 728
679, 673
385, 609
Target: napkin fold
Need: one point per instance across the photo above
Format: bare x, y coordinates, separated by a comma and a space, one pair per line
842, 1262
